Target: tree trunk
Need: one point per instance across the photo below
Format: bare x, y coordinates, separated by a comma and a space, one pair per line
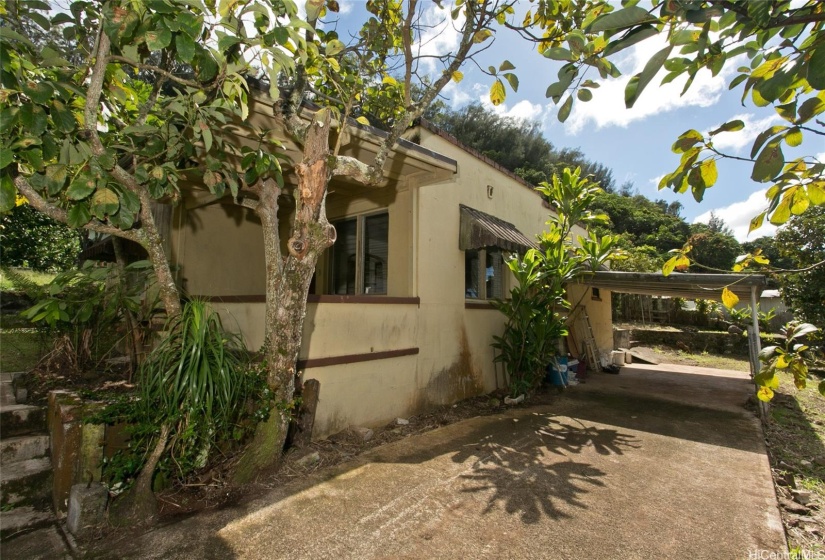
132, 335
300, 431
139, 505
287, 285
153, 243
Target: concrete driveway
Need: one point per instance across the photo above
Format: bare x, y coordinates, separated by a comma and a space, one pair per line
657, 462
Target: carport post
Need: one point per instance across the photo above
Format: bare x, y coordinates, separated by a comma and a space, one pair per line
755, 318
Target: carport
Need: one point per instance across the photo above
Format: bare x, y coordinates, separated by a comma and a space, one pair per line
747, 287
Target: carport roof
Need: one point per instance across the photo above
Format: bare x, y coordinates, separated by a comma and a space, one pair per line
678, 284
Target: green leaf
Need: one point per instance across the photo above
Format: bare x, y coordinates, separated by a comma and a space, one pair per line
63, 118
730, 126
686, 141
185, 47
584, 95
512, 79
821, 388
639, 82
621, 19
482, 36
782, 213
810, 108
793, 137
564, 110
105, 201
757, 222
158, 39
39, 92
763, 137
78, 215
816, 68
81, 187
334, 47
769, 163
635, 36
6, 157
760, 12
506, 65
8, 193
816, 193
560, 53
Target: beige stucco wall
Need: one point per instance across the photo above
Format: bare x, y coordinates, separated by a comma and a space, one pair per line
220, 252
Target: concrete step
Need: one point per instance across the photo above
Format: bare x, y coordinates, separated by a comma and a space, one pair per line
21, 419
26, 482
7, 395
22, 520
10, 375
22, 448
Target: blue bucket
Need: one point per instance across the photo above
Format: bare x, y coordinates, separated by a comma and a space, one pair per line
557, 372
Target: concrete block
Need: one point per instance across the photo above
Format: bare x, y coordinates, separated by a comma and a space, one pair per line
87, 506
23, 447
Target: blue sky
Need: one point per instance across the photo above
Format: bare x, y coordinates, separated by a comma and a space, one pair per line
634, 143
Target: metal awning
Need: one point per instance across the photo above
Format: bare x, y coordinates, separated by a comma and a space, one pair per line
480, 230
677, 284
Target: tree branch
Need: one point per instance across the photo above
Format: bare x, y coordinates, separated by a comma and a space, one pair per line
156, 69
58, 214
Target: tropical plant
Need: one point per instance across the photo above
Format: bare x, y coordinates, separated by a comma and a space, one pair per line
30, 239
789, 356
82, 307
194, 387
536, 310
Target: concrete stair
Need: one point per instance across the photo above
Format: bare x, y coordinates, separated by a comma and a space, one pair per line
25, 466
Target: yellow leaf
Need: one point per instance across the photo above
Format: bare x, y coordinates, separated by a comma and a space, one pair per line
816, 193
708, 172
334, 63
482, 36
729, 299
772, 383
389, 80
782, 361
497, 93
457, 76
669, 266
363, 120
765, 394
528, 19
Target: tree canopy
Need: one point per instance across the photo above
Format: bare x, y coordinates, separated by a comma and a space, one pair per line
778, 48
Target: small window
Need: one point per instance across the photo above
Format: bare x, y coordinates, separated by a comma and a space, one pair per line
594, 294
483, 274
359, 257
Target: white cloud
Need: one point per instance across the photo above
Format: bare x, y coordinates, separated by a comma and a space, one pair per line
345, 7
441, 36
737, 141
523, 110
607, 107
455, 96
738, 216
820, 157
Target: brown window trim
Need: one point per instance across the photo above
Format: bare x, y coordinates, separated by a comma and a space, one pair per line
390, 300
355, 358
364, 299
478, 305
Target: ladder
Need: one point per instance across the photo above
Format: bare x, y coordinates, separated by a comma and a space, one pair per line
581, 322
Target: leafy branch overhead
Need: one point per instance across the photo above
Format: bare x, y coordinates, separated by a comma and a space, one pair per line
778, 48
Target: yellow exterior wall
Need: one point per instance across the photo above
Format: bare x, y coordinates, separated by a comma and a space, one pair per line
220, 251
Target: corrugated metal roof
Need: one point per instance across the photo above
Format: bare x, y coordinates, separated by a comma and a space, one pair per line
678, 284
480, 230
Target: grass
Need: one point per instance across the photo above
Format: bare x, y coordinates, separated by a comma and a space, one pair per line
736, 363
796, 439
40, 278
20, 350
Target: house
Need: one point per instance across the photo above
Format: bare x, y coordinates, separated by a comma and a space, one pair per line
398, 317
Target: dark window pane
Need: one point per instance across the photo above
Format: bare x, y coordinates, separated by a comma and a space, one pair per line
344, 251
471, 274
494, 274
376, 252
